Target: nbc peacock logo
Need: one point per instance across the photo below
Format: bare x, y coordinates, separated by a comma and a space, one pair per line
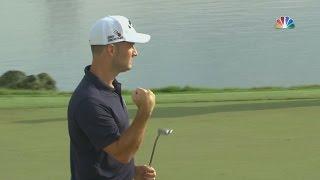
284, 22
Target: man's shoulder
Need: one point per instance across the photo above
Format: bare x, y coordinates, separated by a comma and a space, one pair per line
85, 92
85, 97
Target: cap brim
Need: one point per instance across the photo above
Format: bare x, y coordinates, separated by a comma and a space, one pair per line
138, 38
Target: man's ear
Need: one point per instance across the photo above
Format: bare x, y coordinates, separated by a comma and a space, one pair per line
110, 49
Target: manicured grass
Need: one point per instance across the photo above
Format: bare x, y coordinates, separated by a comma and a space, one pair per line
237, 141
225, 136
61, 99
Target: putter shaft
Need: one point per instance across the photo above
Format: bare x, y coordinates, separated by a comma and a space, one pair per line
153, 149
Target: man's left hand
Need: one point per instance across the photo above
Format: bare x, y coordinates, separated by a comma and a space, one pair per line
145, 173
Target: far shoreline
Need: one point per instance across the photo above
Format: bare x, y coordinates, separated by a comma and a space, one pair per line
166, 90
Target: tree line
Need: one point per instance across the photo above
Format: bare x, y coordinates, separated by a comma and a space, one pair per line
19, 80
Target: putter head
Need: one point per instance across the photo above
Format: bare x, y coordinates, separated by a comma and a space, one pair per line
164, 131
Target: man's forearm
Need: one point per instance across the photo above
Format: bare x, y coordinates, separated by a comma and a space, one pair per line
129, 142
132, 138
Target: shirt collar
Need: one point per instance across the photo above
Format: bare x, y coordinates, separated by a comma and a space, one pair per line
99, 83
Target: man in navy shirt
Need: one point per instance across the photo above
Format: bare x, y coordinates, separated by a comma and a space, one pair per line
102, 142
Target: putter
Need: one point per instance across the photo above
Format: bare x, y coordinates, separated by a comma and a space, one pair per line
165, 132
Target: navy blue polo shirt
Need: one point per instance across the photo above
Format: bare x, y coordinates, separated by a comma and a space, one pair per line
97, 116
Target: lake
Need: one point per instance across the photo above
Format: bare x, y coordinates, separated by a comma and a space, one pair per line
217, 43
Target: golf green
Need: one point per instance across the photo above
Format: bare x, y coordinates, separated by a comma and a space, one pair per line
249, 140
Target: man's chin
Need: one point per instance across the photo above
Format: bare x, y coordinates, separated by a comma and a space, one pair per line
127, 69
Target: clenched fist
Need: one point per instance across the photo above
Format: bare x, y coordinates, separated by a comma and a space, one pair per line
144, 99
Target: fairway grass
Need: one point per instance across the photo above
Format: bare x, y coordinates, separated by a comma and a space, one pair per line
216, 136
49, 100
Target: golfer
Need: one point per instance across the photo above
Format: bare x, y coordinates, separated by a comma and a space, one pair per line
102, 142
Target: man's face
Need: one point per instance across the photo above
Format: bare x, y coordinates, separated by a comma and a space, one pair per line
124, 53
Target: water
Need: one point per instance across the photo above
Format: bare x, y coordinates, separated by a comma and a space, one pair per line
217, 43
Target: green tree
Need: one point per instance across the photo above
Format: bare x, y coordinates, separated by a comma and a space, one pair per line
19, 80
30, 82
47, 82
10, 78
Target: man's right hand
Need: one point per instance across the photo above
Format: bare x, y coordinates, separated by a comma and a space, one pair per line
130, 140
144, 99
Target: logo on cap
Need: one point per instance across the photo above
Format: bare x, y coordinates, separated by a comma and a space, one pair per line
117, 33
113, 38
130, 24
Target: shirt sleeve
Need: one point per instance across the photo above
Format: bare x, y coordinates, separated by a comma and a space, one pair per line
97, 123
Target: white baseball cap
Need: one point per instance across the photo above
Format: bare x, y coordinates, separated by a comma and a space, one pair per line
112, 29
